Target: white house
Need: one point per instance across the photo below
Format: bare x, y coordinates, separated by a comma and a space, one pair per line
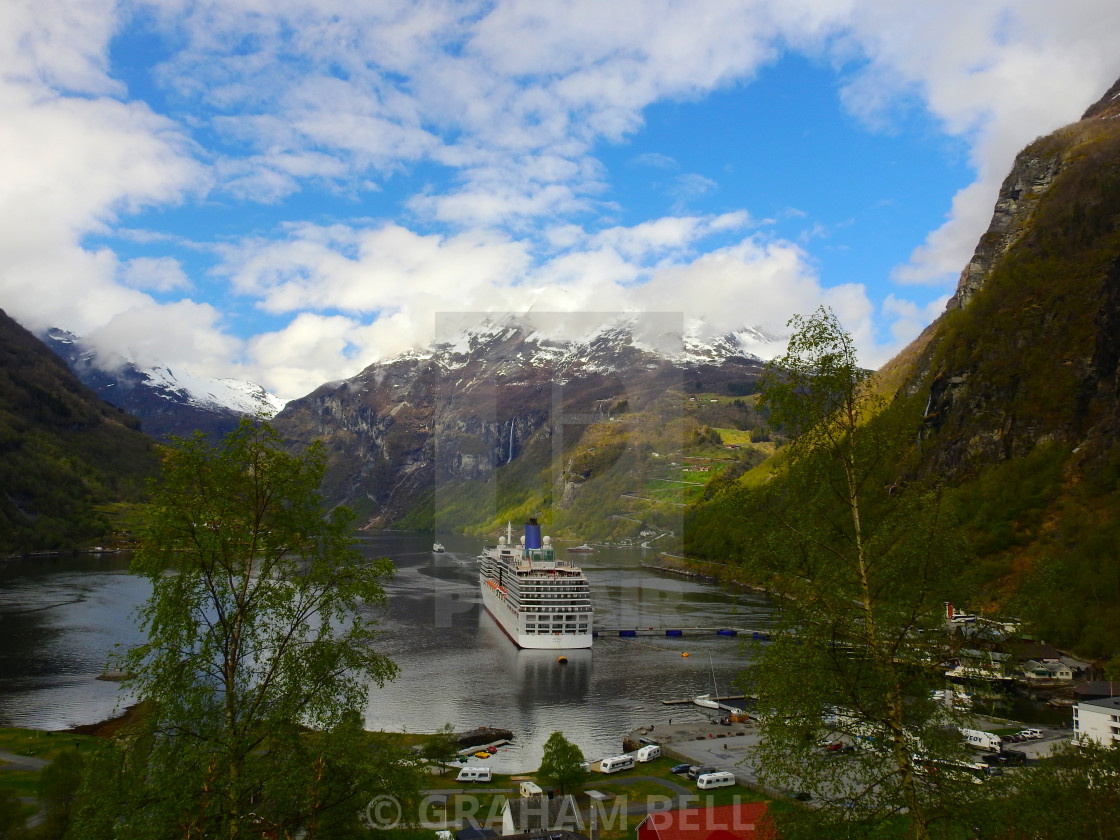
1048, 669
1098, 720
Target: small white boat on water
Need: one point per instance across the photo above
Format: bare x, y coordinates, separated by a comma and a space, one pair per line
705, 701
438, 547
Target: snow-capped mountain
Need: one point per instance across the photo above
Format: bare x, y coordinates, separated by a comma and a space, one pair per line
481, 397
561, 341
168, 402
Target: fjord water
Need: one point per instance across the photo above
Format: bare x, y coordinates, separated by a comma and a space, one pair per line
61, 617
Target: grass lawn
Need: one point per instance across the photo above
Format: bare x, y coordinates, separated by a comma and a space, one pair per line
39, 744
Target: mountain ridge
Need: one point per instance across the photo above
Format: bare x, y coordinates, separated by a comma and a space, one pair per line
168, 402
64, 453
467, 411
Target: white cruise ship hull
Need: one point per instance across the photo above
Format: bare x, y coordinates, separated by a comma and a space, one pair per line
512, 624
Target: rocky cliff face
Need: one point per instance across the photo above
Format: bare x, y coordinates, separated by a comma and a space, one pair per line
1027, 350
1022, 190
404, 429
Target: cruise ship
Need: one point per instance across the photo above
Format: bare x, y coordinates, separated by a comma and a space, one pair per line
540, 601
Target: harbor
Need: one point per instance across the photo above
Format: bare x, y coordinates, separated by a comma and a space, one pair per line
456, 664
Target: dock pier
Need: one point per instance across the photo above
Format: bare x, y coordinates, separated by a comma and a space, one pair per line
673, 632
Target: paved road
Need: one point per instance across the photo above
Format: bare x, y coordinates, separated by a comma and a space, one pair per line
11, 761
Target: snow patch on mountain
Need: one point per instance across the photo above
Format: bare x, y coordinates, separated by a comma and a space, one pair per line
237, 395
563, 340
222, 395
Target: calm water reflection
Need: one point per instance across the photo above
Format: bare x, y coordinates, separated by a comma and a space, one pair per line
59, 619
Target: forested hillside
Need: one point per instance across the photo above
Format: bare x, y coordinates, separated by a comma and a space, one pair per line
64, 454
1012, 400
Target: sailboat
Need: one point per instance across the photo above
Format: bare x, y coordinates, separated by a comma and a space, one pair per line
707, 701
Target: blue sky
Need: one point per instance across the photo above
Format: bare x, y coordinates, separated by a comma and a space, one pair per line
288, 191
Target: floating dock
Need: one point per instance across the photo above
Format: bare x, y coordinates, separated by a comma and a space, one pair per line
673, 632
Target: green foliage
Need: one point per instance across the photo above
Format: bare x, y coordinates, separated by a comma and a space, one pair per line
255, 632
1076, 793
560, 764
441, 748
1006, 503
742, 389
11, 815
58, 792
863, 562
62, 451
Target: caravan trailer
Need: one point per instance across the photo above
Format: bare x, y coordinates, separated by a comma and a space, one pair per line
616, 763
721, 778
474, 774
648, 753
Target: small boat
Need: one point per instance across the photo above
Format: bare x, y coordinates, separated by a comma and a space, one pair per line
482, 754
705, 700
438, 547
581, 549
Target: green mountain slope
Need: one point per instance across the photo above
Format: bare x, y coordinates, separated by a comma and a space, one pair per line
1013, 396
63, 452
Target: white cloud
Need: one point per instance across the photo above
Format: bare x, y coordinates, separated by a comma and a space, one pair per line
996, 73
72, 161
157, 274
655, 160
389, 282
511, 102
180, 334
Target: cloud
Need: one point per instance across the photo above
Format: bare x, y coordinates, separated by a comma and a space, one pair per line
508, 105
157, 274
359, 294
74, 160
996, 74
655, 160
183, 334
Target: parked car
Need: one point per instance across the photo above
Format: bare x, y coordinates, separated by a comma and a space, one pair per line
1015, 756
679, 768
1031, 734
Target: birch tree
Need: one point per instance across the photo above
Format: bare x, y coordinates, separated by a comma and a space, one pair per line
861, 557
259, 656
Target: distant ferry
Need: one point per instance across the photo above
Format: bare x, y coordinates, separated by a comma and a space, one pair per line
541, 602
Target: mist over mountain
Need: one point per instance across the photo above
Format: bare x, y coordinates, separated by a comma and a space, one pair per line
167, 401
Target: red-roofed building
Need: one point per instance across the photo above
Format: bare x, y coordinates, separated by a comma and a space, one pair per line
744, 821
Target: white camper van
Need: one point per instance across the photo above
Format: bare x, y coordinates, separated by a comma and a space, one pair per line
616, 763
721, 778
474, 774
530, 789
981, 740
648, 753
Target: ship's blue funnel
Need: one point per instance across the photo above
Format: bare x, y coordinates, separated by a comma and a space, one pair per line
532, 534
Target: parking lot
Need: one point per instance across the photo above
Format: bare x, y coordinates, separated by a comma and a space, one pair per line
732, 747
